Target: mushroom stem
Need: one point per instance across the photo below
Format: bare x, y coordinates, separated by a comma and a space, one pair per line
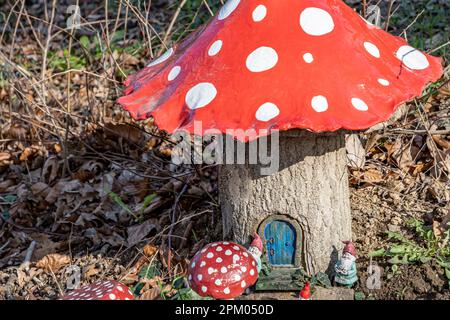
310, 189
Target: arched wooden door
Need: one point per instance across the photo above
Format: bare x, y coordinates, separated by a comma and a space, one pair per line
281, 241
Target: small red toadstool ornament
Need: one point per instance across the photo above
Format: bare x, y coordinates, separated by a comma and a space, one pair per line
101, 290
222, 270
272, 66
305, 294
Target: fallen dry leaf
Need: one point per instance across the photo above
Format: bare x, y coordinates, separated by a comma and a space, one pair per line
149, 250
53, 262
445, 89
45, 246
151, 294
57, 148
40, 188
90, 271
4, 185
138, 232
125, 131
5, 156
28, 152
442, 142
436, 229
373, 175
400, 153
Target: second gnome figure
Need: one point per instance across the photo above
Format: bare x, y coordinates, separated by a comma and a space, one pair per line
345, 268
256, 248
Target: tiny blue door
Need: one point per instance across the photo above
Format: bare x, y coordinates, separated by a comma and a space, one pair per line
280, 242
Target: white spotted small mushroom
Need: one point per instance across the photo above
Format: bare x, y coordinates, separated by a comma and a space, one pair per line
222, 270
100, 290
264, 66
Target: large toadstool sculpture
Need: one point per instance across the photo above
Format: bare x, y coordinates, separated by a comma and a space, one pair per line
283, 65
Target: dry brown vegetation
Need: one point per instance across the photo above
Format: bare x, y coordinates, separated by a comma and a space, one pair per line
83, 185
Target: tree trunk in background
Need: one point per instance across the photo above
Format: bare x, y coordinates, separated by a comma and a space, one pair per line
310, 187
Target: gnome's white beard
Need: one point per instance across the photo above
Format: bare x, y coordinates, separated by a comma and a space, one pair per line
255, 252
346, 261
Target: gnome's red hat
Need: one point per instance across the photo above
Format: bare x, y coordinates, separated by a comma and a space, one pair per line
257, 242
349, 247
306, 292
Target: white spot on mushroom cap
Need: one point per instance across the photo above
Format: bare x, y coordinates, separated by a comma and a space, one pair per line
236, 248
243, 284
210, 255
252, 272
262, 59
316, 21
228, 253
243, 269
308, 57
211, 270
193, 264
219, 248
236, 277
213, 50
236, 258
384, 82
319, 103
204, 289
199, 277
174, 73
166, 55
267, 112
112, 296
202, 264
372, 49
219, 260
228, 9
223, 270
226, 290
259, 13
412, 58
201, 95
218, 282
360, 105
245, 254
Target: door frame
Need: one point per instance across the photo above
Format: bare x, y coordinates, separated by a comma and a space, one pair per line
298, 258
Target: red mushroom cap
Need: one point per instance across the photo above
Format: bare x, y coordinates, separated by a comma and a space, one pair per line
222, 270
312, 64
101, 290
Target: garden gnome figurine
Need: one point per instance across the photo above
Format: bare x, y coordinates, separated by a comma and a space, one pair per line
256, 249
305, 294
346, 267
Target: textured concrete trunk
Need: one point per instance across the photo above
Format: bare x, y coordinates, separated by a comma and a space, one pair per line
310, 187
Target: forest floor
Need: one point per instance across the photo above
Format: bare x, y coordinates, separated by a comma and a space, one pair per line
88, 194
